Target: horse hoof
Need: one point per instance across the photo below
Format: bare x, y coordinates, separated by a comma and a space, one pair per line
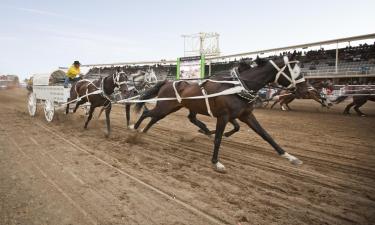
218, 167
363, 115
296, 162
292, 159
131, 127
139, 130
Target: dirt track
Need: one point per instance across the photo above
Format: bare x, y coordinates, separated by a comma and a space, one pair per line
59, 173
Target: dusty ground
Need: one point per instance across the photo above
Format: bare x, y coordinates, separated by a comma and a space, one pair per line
58, 173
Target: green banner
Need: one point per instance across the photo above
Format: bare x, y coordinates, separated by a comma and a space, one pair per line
190, 68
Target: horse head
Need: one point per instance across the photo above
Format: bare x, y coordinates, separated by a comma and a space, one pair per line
244, 65
288, 74
120, 80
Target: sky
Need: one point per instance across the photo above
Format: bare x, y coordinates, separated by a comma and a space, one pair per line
39, 36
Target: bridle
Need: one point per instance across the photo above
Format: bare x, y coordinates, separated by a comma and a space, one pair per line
295, 73
116, 78
116, 81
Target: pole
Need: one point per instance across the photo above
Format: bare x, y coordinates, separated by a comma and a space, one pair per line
201, 43
184, 45
209, 68
337, 57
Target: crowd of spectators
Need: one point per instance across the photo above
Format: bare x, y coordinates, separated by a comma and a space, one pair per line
359, 58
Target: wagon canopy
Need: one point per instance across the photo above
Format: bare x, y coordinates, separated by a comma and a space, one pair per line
55, 78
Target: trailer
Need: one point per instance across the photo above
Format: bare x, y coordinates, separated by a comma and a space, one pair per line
47, 92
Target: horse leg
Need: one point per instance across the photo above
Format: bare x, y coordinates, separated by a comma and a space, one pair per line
92, 109
357, 106
276, 101
161, 110
252, 122
220, 127
152, 122
67, 107
236, 128
80, 102
287, 106
145, 114
157, 115
282, 102
127, 113
287, 102
107, 119
203, 128
347, 108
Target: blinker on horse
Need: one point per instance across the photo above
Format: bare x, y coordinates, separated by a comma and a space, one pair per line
226, 108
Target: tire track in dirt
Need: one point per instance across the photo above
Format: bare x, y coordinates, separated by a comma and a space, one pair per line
149, 186
234, 155
264, 185
57, 187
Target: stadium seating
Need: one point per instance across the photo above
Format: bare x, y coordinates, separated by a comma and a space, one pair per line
358, 60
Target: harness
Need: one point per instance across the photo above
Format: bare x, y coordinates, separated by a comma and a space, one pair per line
246, 93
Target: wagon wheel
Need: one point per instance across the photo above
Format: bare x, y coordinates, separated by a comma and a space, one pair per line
49, 110
31, 104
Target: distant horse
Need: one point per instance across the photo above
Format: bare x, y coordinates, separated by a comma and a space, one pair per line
285, 97
358, 101
102, 89
226, 108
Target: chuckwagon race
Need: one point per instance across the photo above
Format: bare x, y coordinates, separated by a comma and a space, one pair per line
173, 118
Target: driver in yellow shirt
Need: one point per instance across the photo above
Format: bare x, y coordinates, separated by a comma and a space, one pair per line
73, 74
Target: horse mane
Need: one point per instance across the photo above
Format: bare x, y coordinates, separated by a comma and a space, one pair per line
261, 61
244, 65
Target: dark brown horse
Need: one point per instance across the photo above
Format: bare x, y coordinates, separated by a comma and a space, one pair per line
98, 93
226, 108
358, 101
285, 97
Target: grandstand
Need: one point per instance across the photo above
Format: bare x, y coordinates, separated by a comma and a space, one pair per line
346, 65
8, 81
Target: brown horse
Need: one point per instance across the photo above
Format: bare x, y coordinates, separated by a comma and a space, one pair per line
226, 108
98, 93
285, 97
358, 101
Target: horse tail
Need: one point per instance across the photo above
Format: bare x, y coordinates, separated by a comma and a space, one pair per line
150, 93
340, 99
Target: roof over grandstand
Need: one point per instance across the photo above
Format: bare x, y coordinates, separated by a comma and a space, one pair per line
243, 54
